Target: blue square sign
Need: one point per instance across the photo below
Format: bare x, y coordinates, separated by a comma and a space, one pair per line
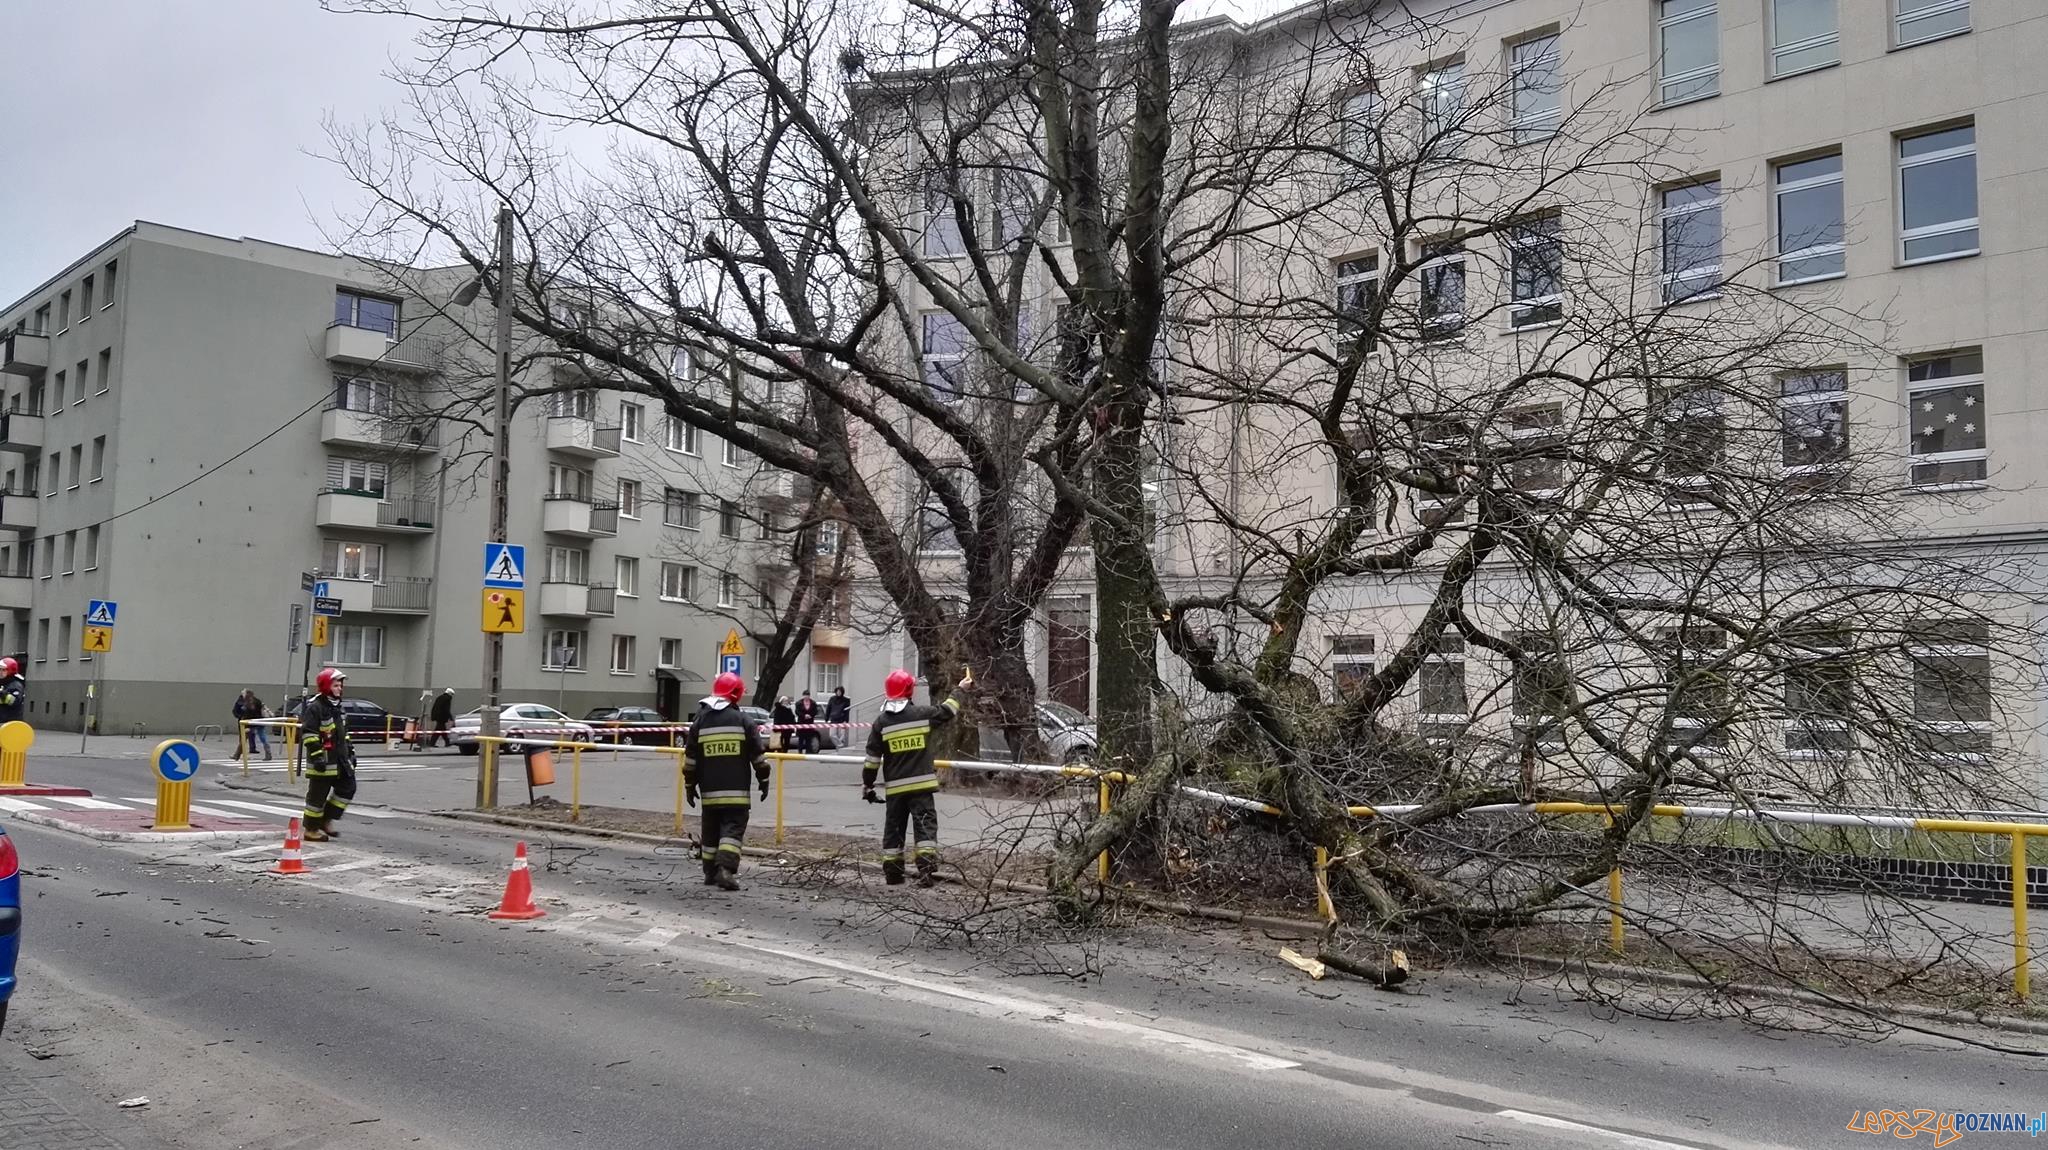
101, 612
504, 565
728, 664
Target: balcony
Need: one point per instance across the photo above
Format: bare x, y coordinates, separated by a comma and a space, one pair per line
379, 431
15, 592
19, 511
394, 595
24, 353
368, 346
21, 431
369, 511
575, 435
569, 515
829, 635
578, 600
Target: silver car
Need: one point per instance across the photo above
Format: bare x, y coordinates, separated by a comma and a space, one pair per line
521, 718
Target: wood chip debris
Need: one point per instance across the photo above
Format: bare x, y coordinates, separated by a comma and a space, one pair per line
1309, 966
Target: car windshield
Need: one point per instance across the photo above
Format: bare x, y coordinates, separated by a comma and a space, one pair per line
1062, 714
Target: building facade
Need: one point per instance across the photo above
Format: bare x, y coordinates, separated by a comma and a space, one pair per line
192, 423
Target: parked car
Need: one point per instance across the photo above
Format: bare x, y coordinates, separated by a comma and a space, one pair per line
10, 920
521, 718
640, 726
364, 717
1069, 736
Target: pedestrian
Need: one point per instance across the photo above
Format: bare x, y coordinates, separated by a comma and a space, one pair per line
330, 757
247, 707
899, 749
784, 717
443, 716
807, 714
839, 711
722, 747
13, 692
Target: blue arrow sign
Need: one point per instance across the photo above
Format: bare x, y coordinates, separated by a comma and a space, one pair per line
101, 612
504, 565
177, 760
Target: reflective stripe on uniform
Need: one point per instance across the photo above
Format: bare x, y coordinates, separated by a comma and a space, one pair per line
725, 845
892, 856
951, 704
911, 785
313, 814
927, 847
724, 798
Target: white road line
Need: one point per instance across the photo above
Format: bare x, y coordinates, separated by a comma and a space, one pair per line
1607, 1137
235, 854
359, 864
285, 812
195, 808
19, 805
367, 813
87, 804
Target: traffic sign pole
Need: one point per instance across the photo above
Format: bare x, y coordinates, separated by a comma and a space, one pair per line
97, 638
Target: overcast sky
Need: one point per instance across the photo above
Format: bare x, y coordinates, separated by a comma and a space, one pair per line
204, 114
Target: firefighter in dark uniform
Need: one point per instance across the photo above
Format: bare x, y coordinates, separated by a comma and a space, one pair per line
720, 752
900, 750
13, 692
330, 757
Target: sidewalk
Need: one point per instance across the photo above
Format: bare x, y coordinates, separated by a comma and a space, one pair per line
31, 1118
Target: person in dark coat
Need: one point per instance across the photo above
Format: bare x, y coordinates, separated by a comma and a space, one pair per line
807, 715
443, 716
839, 709
783, 716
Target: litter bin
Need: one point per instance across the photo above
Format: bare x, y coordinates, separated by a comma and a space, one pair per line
540, 767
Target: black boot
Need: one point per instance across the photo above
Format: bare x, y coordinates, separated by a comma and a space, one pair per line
710, 874
928, 876
892, 873
725, 880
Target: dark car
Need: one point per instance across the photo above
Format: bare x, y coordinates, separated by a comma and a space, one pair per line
10, 919
364, 717
640, 726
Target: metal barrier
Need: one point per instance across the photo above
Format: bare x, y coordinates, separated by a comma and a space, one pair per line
205, 731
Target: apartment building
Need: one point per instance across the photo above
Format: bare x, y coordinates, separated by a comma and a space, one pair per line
194, 422
1885, 154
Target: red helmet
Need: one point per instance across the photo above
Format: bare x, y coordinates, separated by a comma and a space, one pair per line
899, 683
9, 668
728, 686
329, 681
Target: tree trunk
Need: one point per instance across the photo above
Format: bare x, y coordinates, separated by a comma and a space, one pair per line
1126, 639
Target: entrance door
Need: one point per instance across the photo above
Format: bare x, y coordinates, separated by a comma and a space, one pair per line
1068, 654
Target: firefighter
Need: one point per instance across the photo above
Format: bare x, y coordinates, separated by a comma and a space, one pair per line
13, 692
721, 747
330, 757
899, 749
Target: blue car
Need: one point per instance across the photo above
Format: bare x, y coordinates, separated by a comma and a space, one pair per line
10, 919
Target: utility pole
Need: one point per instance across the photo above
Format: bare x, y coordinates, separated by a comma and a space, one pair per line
494, 643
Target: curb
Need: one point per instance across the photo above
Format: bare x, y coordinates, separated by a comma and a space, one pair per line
1781, 994
37, 818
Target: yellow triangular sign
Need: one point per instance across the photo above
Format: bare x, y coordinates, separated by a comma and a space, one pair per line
732, 644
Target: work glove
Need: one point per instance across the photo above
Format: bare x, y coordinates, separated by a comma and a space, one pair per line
690, 793
869, 794
764, 788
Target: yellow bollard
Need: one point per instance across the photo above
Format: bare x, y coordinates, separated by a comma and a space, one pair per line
1102, 807
242, 743
487, 752
2020, 958
1614, 938
781, 769
1325, 909
173, 805
576, 784
15, 739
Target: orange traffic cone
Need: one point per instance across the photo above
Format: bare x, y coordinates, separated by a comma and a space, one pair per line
292, 861
518, 901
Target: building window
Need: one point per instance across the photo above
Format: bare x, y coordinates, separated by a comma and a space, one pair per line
1694, 434
1359, 132
828, 537
568, 565
1441, 89
1938, 194
43, 320
570, 483
1442, 705
99, 458
671, 653
728, 589
64, 639
58, 386
371, 313
1443, 288
1810, 222
626, 575
1540, 686
358, 476
1697, 698
729, 453
934, 526
728, 519
92, 549
85, 300
1535, 435
357, 646
49, 568
84, 366
113, 268
1945, 402
1535, 272
1813, 409
680, 508
629, 498
54, 477
622, 654
573, 405
1803, 36
341, 559
941, 222
42, 640
1538, 84
632, 417
678, 582
1688, 51
70, 552
827, 678
1820, 691
1351, 664
106, 365
1919, 21
63, 312
944, 355
77, 466
681, 436
1689, 227
1951, 660
564, 651
1358, 283
369, 396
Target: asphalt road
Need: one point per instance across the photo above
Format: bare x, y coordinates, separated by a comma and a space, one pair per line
370, 1005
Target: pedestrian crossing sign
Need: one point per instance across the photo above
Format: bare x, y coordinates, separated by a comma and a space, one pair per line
99, 639
504, 565
504, 612
100, 612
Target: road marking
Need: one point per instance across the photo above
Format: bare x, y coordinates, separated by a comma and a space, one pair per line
287, 812
235, 854
1607, 1137
19, 805
88, 804
359, 864
195, 808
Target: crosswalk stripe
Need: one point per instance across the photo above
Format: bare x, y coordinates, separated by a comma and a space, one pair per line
84, 804
286, 812
19, 805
